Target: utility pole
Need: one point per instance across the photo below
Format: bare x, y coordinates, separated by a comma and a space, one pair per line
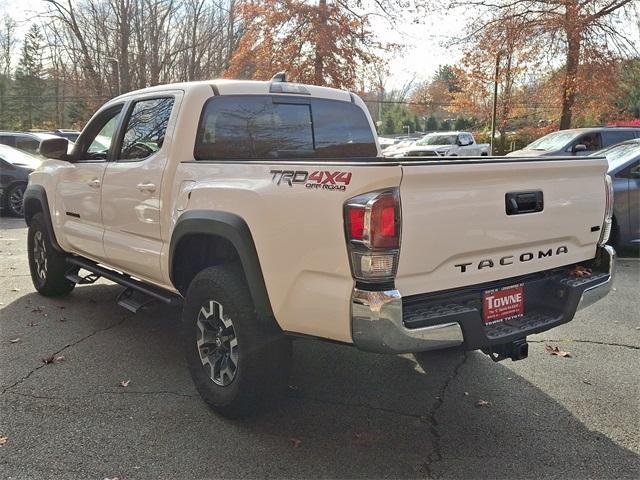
495, 102
116, 64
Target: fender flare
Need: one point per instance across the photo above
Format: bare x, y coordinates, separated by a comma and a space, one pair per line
36, 195
234, 229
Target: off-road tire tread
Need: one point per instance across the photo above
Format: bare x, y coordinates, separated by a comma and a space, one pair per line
56, 283
265, 353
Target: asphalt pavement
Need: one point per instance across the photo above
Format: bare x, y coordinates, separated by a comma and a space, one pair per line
347, 414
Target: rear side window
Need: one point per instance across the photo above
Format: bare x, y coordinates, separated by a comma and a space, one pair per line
341, 130
146, 127
266, 127
616, 136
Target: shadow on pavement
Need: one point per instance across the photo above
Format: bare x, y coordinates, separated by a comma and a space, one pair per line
347, 413
10, 223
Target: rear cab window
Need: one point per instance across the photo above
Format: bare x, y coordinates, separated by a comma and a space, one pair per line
255, 127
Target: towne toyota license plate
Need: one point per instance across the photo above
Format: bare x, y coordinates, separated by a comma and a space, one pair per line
500, 304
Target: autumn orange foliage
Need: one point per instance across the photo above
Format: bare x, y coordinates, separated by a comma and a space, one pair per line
321, 44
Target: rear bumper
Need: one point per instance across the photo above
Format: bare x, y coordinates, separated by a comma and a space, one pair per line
385, 322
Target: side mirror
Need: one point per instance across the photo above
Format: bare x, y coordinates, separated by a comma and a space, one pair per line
579, 148
55, 148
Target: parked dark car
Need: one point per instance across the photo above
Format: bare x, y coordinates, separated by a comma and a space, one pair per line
578, 141
71, 135
15, 167
26, 141
624, 168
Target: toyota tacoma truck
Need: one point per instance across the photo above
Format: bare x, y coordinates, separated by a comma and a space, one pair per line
445, 144
266, 210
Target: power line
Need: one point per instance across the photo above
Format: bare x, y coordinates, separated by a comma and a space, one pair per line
449, 104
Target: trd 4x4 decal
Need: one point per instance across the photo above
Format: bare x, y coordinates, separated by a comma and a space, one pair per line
318, 180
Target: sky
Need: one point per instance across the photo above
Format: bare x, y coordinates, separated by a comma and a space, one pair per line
423, 45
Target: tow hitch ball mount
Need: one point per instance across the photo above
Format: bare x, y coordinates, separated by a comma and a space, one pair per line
516, 350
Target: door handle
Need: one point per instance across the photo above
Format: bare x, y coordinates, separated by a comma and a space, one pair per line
146, 187
95, 183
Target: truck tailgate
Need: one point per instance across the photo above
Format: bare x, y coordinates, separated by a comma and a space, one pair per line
456, 231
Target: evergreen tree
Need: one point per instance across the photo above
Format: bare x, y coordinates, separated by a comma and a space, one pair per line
446, 124
432, 124
77, 113
462, 123
389, 125
29, 85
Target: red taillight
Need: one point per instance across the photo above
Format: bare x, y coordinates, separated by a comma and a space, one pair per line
373, 234
382, 230
356, 223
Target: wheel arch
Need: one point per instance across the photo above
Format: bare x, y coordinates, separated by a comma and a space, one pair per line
35, 201
220, 230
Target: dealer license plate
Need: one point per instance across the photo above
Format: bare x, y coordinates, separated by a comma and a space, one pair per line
500, 304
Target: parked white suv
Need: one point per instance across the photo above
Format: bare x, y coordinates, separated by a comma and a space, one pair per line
446, 144
266, 209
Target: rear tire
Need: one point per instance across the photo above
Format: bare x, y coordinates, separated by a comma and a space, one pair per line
47, 265
237, 360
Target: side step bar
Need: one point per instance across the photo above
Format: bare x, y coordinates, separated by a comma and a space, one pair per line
122, 279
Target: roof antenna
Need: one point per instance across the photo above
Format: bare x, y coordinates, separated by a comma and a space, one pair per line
279, 77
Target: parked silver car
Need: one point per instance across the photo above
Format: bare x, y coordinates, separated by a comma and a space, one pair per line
578, 141
624, 168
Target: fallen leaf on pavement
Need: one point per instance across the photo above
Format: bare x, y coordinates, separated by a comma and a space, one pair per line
557, 352
295, 442
33, 324
53, 359
3, 440
15, 340
37, 310
125, 383
587, 382
366, 438
482, 403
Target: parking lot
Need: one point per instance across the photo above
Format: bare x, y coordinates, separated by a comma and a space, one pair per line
347, 414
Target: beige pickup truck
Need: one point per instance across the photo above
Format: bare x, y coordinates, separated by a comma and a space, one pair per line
267, 211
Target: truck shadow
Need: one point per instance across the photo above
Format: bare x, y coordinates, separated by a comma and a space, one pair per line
347, 414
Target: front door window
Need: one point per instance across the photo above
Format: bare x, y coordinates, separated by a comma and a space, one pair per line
101, 136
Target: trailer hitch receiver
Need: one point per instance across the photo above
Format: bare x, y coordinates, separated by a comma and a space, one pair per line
516, 350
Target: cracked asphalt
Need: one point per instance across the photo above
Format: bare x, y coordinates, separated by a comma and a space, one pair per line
351, 414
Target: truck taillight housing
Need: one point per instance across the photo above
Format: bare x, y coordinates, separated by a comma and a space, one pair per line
608, 210
372, 227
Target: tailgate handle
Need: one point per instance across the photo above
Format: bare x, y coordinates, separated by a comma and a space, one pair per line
517, 203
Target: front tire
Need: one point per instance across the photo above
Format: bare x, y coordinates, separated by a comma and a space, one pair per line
237, 360
48, 266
